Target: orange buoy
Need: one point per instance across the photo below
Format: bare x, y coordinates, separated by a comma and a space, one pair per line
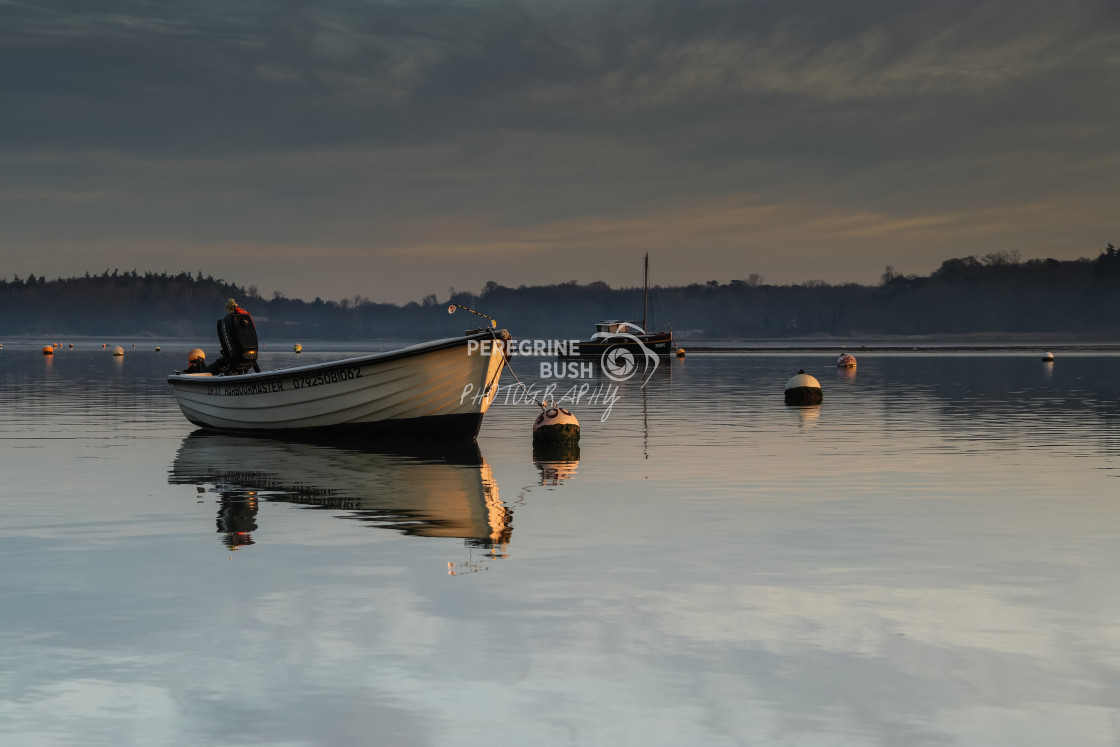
196, 361
118, 351
48, 350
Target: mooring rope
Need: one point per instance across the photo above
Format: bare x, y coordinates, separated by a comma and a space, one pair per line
500, 346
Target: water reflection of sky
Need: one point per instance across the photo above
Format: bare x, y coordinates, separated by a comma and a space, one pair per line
930, 559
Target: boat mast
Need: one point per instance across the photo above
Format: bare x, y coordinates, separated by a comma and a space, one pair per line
645, 294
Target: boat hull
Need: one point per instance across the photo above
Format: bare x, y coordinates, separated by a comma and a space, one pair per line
436, 389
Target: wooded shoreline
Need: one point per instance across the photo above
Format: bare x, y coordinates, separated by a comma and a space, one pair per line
996, 295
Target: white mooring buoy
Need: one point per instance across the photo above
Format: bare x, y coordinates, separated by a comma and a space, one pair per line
803, 389
846, 361
118, 351
1048, 357
556, 425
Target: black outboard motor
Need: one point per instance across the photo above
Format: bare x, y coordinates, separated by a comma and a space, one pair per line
238, 337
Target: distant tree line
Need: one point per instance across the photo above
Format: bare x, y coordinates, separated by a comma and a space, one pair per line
996, 293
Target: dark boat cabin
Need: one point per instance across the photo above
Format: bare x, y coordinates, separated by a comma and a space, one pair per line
613, 326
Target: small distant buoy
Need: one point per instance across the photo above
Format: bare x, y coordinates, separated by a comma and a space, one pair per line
680, 352
554, 426
118, 350
1048, 357
297, 348
803, 389
48, 350
71, 346
157, 348
134, 344
104, 345
846, 361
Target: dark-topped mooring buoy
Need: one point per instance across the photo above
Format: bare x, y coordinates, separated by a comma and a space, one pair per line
803, 389
556, 425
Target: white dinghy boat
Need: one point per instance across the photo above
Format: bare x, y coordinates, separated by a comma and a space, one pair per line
435, 389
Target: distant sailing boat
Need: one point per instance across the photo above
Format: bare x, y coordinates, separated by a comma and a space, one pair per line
615, 333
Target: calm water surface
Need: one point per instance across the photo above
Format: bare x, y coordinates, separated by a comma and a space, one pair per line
929, 558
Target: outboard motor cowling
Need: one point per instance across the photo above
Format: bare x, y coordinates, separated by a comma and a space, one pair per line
238, 337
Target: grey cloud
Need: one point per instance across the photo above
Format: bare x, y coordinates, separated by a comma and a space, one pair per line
344, 123
217, 77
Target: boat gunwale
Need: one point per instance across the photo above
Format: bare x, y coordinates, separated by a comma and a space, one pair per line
177, 379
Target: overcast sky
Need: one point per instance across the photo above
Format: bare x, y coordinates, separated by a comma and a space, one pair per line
395, 149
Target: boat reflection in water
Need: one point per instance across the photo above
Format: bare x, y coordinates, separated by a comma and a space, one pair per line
556, 462
426, 490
